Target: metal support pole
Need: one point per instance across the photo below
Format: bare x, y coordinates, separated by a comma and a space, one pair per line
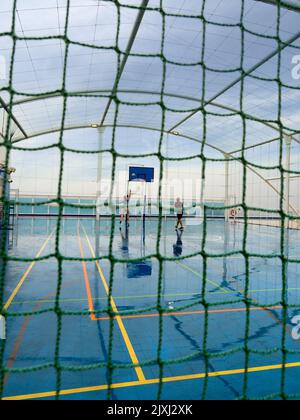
202, 192
98, 193
288, 142
144, 211
226, 250
168, 197
136, 26
127, 204
226, 187
99, 172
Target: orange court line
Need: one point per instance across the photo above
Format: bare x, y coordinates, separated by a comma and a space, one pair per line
86, 279
212, 311
129, 346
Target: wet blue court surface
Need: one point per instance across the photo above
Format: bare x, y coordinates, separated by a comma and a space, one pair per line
206, 326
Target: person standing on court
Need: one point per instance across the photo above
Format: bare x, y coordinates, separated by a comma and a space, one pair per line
125, 209
177, 248
179, 212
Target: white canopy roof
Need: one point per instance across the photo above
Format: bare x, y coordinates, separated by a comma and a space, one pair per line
130, 66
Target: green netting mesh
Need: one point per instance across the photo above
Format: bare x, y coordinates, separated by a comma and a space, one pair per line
203, 113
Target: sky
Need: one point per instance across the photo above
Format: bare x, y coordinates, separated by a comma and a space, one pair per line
91, 67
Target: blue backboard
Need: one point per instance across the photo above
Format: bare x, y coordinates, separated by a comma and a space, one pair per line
141, 173
139, 269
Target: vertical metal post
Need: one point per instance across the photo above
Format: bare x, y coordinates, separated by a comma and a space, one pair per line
168, 198
226, 250
98, 193
99, 172
288, 142
144, 210
127, 208
3, 149
202, 192
226, 187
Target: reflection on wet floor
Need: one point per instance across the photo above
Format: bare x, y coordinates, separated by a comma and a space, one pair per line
186, 290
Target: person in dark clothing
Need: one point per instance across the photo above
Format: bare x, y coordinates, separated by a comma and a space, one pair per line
177, 247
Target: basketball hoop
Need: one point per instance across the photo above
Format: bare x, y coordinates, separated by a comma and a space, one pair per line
233, 213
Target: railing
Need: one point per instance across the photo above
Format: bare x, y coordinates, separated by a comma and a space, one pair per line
86, 206
14, 198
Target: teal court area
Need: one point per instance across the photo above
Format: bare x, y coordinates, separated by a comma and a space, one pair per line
161, 112
138, 314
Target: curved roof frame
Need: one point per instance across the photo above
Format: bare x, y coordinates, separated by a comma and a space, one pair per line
243, 75
210, 101
107, 93
284, 4
78, 127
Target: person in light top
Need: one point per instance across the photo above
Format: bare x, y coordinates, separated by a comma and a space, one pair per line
125, 210
179, 211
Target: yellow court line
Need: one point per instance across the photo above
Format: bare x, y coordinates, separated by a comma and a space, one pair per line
15, 292
133, 356
86, 279
152, 381
191, 295
198, 275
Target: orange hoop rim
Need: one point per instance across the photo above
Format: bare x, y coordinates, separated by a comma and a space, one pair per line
233, 212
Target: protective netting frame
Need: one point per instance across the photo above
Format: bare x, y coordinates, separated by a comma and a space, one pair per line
248, 302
